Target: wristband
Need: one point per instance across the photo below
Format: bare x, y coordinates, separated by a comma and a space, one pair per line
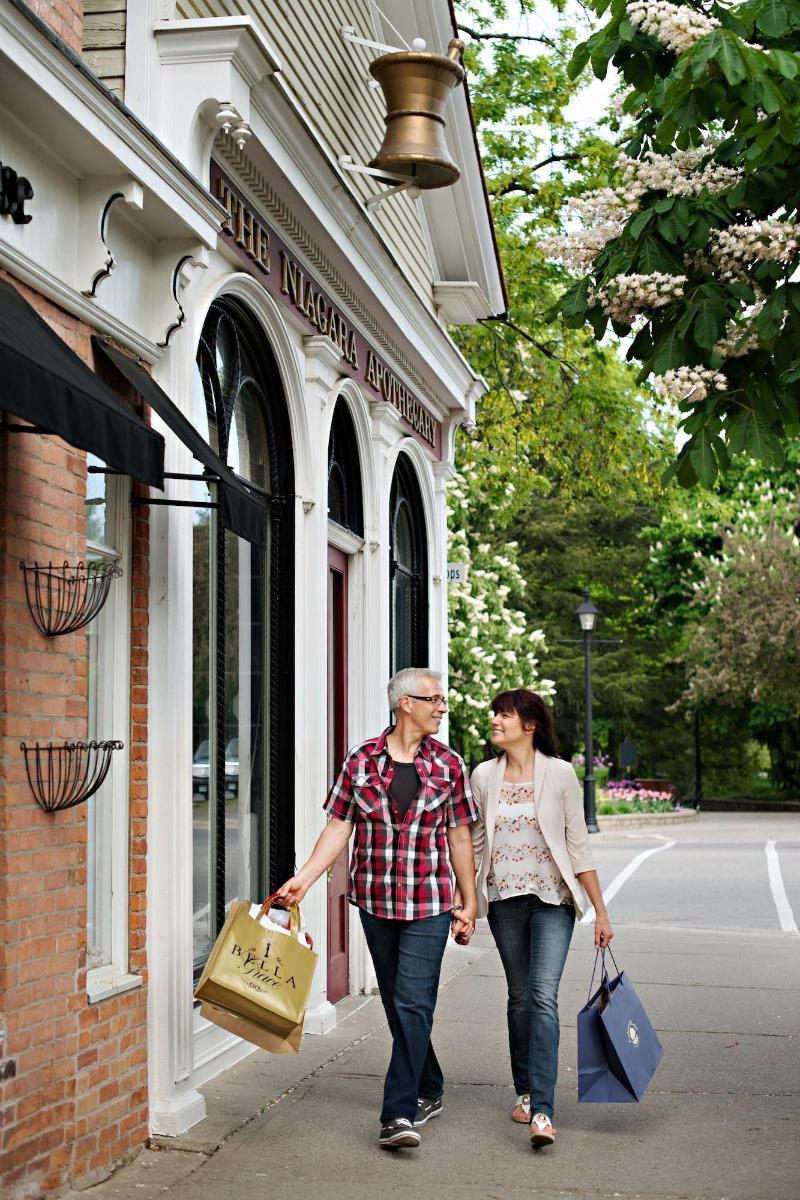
458, 907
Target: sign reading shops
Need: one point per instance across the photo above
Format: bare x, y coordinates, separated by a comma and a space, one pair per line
271, 261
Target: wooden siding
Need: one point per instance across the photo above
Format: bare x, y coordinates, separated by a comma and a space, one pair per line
329, 78
104, 24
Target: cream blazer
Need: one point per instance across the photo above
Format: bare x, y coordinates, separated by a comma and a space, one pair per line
559, 811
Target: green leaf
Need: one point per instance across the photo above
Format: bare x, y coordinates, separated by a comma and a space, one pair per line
670, 351
709, 324
640, 222
727, 54
626, 31
580, 57
773, 18
769, 320
786, 63
703, 459
750, 433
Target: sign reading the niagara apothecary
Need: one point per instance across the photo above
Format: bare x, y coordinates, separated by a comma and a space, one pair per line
272, 261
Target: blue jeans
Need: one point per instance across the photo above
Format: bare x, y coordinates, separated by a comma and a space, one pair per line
533, 939
407, 956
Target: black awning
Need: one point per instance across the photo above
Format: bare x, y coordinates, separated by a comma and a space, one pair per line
241, 510
44, 382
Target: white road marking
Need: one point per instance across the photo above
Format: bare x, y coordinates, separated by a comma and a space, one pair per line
785, 915
610, 892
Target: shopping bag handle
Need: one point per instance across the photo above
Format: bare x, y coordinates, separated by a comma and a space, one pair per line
601, 951
294, 911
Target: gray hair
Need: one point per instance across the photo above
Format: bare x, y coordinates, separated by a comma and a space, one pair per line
406, 682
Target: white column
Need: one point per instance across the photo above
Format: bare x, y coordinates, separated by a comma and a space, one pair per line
439, 640
175, 1105
321, 377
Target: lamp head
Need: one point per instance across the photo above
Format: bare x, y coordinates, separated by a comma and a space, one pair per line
587, 613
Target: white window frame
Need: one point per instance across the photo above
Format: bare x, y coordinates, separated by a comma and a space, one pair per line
114, 703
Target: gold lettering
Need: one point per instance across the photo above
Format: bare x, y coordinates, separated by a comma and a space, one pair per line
307, 307
372, 378
224, 196
245, 240
322, 313
284, 273
262, 249
351, 353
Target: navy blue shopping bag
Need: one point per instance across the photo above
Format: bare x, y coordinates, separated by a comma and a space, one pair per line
618, 1050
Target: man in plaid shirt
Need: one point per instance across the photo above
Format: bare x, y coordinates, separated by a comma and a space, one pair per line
407, 797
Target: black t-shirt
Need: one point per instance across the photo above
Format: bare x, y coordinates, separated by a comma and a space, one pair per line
405, 787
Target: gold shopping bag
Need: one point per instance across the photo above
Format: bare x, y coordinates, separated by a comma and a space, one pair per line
274, 1042
257, 973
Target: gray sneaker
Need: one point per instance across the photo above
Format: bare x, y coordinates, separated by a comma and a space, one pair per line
397, 1133
428, 1109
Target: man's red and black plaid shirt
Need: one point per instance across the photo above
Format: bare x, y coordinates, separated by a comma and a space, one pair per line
400, 869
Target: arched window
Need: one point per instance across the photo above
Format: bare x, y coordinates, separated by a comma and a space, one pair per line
345, 505
243, 669
408, 570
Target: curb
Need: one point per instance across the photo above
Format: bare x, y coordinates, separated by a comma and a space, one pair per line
635, 820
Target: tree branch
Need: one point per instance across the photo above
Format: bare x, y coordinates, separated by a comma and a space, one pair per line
529, 189
507, 37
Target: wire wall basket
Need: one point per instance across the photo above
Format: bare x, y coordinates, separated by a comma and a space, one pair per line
64, 775
64, 598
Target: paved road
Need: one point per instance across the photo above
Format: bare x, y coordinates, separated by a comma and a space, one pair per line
699, 929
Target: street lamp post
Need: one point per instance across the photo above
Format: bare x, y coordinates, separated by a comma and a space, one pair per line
587, 615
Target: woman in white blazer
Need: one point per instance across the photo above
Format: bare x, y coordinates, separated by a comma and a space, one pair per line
534, 872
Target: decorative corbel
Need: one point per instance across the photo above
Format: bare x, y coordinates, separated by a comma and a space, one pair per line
176, 263
98, 195
322, 359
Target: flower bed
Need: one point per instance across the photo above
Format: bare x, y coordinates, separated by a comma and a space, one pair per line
628, 796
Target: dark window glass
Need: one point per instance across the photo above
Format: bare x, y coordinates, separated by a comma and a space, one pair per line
408, 570
345, 505
242, 635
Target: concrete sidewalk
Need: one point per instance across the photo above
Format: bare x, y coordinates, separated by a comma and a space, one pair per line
720, 1119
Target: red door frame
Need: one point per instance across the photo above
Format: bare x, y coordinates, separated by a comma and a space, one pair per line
338, 984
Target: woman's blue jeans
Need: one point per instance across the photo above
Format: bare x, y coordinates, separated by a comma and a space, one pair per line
407, 956
533, 939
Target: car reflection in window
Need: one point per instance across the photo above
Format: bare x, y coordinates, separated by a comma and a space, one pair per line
201, 769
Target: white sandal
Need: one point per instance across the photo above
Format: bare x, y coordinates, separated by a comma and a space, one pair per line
522, 1110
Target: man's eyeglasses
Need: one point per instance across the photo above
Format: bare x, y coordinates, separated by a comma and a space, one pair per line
434, 700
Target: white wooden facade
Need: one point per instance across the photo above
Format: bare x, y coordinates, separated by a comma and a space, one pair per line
146, 267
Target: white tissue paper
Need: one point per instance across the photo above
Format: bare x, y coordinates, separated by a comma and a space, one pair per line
278, 920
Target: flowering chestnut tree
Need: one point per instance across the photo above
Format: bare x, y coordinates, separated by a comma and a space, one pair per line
491, 645
692, 252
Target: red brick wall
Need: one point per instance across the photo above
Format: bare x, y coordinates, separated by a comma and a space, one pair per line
65, 18
73, 1075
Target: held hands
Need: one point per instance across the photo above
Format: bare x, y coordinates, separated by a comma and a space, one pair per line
603, 933
462, 925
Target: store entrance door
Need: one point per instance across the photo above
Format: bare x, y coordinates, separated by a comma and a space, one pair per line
338, 915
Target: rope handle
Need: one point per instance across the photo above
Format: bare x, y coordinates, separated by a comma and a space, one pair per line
294, 918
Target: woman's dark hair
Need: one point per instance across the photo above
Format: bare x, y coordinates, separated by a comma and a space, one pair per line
530, 707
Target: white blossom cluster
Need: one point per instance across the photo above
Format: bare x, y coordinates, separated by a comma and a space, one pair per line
625, 297
674, 25
603, 215
738, 247
679, 174
690, 383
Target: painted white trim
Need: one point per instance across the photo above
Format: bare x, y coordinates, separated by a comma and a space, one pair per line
783, 907
104, 982
342, 539
610, 892
75, 97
